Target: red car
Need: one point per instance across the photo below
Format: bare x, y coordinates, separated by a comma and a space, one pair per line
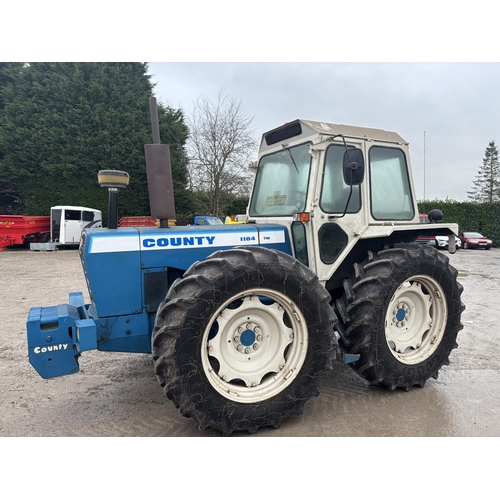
470, 239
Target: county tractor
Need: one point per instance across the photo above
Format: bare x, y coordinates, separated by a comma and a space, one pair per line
242, 321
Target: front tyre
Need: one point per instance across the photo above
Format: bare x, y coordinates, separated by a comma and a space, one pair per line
241, 341
401, 314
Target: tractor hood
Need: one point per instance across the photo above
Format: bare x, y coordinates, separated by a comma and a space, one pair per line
109, 258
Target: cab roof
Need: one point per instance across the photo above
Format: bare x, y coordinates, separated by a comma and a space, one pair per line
303, 129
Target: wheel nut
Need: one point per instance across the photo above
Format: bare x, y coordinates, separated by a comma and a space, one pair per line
240, 347
247, 350
236, 338
255, 346
256, 329
259, 337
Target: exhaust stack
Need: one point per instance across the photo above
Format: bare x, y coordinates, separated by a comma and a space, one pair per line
159, 173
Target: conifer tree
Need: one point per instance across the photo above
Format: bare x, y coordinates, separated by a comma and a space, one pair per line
63, 122
486, 187
10, 196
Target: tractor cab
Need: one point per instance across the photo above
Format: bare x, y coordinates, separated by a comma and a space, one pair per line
336, 187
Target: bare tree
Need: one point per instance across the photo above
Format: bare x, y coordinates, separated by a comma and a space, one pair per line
220, 147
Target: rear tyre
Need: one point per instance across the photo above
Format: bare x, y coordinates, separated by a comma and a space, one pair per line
401, 314
241, 341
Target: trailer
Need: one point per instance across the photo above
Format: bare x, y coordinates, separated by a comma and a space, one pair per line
23, 230
68, 222
147, 221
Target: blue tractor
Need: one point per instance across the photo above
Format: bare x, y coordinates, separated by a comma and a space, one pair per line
243, 320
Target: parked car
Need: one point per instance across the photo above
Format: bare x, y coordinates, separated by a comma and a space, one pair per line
442, 242
471, 239
425, 237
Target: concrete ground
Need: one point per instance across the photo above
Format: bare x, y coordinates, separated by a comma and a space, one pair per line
118, 394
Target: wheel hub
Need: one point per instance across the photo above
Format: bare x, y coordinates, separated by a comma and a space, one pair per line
401, 315
247, 337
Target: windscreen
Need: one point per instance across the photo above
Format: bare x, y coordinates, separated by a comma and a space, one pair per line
281, 182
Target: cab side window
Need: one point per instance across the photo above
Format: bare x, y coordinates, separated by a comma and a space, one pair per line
390, 185
335, 192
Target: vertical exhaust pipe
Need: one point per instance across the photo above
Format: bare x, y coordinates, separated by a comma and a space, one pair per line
114, 180
159, 173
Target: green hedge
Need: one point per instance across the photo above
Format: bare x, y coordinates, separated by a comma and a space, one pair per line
481, 217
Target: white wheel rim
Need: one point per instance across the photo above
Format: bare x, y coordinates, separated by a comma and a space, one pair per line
258, 348
416, 319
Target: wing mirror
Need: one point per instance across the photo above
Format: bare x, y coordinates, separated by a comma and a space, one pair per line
353, 167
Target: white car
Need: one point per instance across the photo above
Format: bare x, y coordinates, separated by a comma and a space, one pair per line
442, 242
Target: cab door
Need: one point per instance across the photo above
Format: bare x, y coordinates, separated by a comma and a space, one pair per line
340, 216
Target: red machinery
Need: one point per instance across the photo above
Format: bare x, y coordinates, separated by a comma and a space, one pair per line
21, 230
141, 221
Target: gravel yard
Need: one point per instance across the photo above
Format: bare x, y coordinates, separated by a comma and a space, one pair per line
117, 394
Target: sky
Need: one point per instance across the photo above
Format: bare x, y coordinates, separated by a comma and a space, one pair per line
447, 111
427, 70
